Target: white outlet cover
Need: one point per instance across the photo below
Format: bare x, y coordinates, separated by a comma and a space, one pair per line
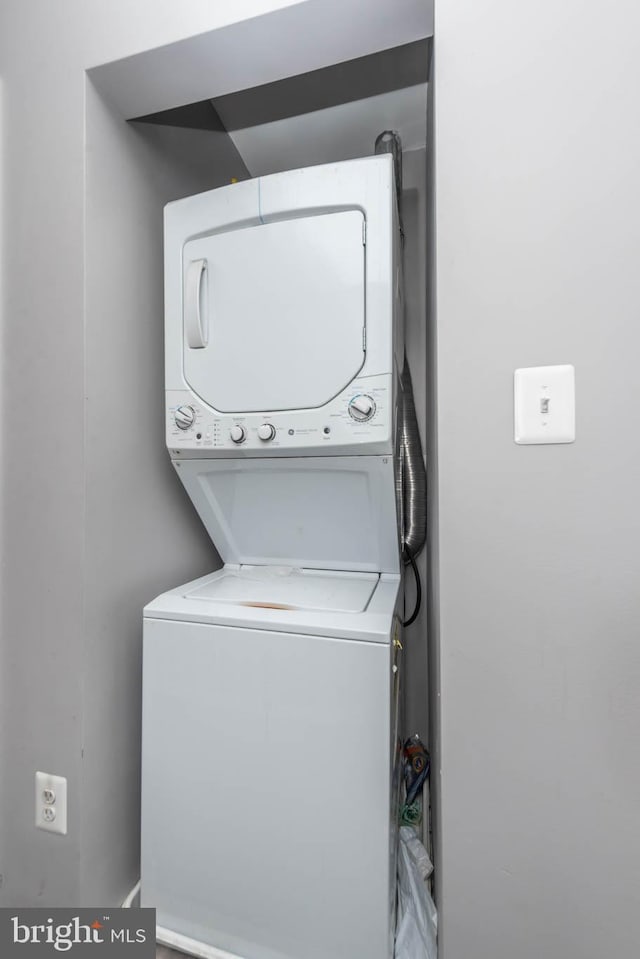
58, 784
544, 405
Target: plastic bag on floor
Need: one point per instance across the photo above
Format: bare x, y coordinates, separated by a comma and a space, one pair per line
417, 925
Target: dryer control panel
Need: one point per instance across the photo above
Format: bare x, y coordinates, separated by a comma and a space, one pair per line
358, 420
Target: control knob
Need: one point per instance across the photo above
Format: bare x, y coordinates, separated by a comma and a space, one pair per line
266, 432
362, 408
238, 434
185, 417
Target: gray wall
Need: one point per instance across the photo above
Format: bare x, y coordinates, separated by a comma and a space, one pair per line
538, 206
432, 559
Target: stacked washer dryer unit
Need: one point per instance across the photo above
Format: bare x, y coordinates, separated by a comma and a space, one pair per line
270, 705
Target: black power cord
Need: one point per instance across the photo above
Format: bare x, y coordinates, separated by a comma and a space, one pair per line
410, 560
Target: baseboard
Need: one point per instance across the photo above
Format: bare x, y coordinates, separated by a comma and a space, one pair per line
175, 940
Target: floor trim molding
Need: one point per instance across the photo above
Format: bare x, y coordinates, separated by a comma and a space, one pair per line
175, 940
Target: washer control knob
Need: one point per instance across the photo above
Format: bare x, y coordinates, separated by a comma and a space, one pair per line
362, 408
185, 417
266, 432
238, 434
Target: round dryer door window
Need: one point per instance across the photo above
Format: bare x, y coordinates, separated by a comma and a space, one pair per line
274, 315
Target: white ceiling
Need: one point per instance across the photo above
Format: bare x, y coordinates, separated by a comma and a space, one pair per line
338, 133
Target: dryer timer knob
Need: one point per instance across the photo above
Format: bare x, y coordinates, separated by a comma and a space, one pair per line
185, 417
362, 408
266, 432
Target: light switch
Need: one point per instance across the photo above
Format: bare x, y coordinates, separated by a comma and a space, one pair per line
545, 405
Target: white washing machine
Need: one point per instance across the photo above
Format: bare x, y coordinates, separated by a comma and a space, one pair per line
271, 686
270, 742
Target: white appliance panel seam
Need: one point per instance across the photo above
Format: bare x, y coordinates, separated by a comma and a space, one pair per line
270, 629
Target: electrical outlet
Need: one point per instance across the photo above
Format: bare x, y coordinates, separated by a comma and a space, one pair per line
51, 803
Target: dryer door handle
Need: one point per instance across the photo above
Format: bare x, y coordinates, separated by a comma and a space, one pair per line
195, 328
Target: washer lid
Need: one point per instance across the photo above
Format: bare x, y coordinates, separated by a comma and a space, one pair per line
283, 587
274, 314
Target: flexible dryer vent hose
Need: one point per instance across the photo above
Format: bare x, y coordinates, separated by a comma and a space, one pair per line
414, 472
414, 477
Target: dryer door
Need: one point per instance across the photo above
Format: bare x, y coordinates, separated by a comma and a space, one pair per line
274, 315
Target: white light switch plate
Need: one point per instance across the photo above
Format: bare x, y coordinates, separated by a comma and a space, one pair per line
545, 405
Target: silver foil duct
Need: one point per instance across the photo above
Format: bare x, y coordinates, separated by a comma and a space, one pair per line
414, 471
